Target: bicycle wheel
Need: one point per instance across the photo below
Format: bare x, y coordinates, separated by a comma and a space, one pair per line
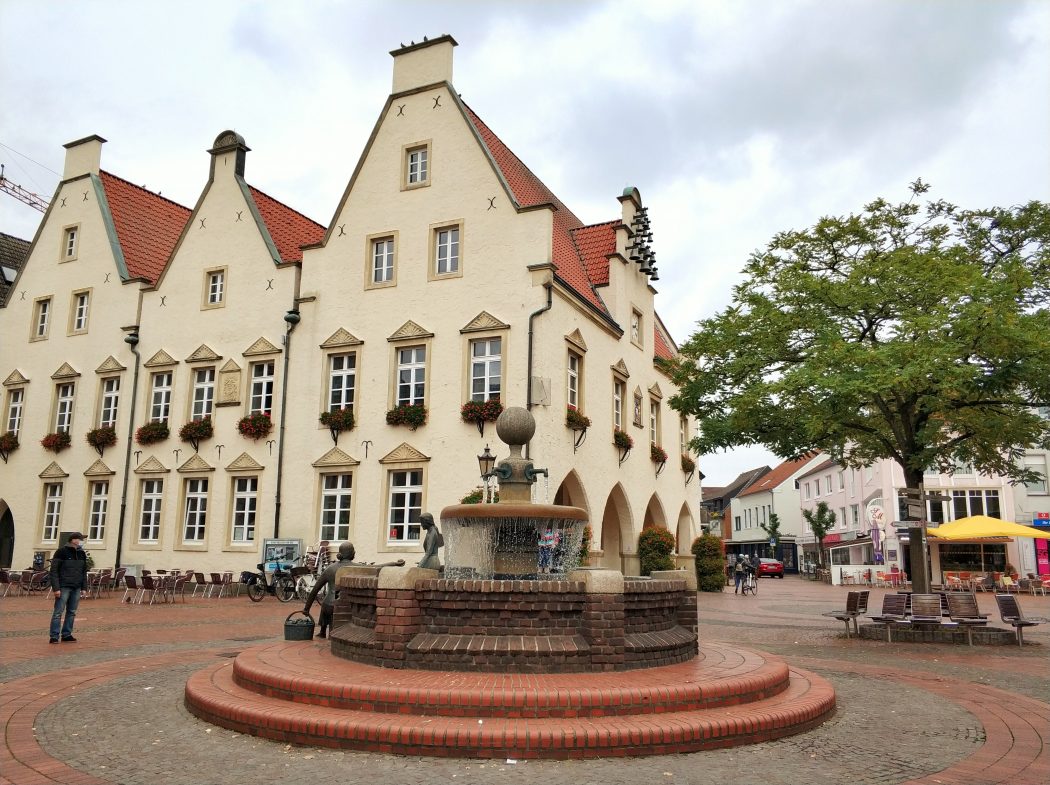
285, 589
256, 591
304, 586
754, 584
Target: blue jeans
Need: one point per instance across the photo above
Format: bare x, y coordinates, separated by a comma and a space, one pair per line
739, 576
67, 602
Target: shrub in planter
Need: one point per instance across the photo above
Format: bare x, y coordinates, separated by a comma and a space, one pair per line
338, 420
576, 420
8, 444
101, 438
196, 431
655, 546
411, 414
477, 496
56, 442
688, 464
657, 454
481, 411
622, 439
255, 426
151, 433
709, 560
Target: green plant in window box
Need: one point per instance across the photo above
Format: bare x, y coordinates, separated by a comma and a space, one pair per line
56, 442
411, 414
576, 420
688, 464
101, 438
255, 426
622, 439
8, 444
151, 433
657, 454
338, 420
196, 431
481, 411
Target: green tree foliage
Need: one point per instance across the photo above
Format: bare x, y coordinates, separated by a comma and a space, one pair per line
710, 561
919, 333
821, 522
655, 546
772, 529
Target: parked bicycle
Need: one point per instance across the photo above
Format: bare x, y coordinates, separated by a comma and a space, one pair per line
280, 583
315, 560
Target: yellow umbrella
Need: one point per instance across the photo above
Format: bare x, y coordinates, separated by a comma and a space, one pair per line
984, 526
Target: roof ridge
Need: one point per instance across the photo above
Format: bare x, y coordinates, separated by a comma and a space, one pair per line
611, 222
285, 205
145, 190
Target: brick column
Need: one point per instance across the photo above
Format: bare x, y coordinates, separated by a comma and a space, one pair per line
398, 616
603, 617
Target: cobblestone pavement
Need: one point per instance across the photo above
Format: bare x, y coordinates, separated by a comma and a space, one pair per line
108, 709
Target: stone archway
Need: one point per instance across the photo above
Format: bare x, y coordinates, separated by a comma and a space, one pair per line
571, 492
684, 535
7, 535
654, 513
617, 526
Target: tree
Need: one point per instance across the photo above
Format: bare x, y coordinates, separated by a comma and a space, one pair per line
655, 546
919, 335
709, 562
821, 522
772, 530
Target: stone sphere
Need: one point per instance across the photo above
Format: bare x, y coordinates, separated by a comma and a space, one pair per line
515, 426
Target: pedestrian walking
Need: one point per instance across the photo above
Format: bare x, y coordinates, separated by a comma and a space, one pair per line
68, 578
738, 573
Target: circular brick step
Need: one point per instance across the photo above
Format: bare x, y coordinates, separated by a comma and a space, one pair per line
215, 696
309, 673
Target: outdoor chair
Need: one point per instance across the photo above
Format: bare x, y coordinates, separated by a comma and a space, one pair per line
926, 609
894, 607
216, 580
5, 583
856, 605
1008, 584
153, 586
200, 583
1010, 611
131, 586
118, 578
984, 583
963, 610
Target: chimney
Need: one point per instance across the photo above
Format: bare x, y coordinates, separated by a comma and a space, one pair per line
229, 148
420, 65
83, 156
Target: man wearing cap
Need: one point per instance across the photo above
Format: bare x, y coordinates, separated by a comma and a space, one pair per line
68, 577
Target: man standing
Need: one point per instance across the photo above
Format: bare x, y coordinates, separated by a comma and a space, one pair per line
68, 577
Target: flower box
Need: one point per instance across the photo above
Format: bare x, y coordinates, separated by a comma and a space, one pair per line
657, 454
255, 426
688, 464
338, 420
101, 438
481, 411
56, 442
622, 439
196, 431
576, 420
8, 444
411, 414
151, 433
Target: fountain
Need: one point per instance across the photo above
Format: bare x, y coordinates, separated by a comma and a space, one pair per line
511, 651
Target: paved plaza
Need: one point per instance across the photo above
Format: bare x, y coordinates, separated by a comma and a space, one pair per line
109, 709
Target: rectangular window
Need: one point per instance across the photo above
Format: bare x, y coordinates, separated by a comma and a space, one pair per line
244, 495
42, 318
827, 483
107, 415
149, 518
683, 435
618, 391
411, 374
160, 407
383, 260
335, 507
203, 393
975, 502
64, 396
842, 480
99, 508
262, 388
842, 517
52, 511
736, 522
196, 517
14, 410
446, 250
1036, 463
854, 515
406, 505
816, 487
216, 287
81, 301
342, 381
416, 169
485, 369
654, 422
852, 482
69, 246
806, 494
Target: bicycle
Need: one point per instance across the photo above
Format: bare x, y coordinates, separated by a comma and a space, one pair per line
750, 583
315, 562
281, 585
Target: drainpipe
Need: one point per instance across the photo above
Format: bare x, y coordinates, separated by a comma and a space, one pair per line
528, 379
132, 340
292, 318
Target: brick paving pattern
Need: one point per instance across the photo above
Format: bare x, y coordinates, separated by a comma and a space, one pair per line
109, 709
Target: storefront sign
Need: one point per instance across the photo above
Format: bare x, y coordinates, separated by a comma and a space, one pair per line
1041, 519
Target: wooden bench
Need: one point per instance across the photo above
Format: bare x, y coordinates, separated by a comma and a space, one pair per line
856, 606
894, 611
1010, 611
963, 610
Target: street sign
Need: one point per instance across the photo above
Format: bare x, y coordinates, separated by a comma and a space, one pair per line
773, 541
916, 510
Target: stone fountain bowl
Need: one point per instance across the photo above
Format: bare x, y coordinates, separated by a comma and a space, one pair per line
501, 541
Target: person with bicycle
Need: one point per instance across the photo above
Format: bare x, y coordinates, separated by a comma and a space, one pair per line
739, 574
327, 578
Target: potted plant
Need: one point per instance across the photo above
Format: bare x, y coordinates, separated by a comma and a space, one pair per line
576, 420
196, 431
657, 454
688, 464
338, 420
623, 442
255, 426
56, 442
477, 496
481, 412
411, 414
151, 433
102, 437
8, 444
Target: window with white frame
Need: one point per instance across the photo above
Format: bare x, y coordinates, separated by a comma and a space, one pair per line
975, 501
842, 517
107, 413
98, 509
411, 374
383, 260
574, 368
41, 318
149, 515
81, 303
618, 393
827, 483
15, 399
852, 482
65, 394
203, 393
69, 243
816, 487
406, 505
654, 421
245, 492
261, 401
806, 491
683, 435
196, 516
336, 498
854, 515
485, 368
52, 511
842, 480
160, 397
416, 165
1036, 463
446, 250
216, 287
342, 381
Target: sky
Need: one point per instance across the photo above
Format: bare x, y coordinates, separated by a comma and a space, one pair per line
735, 120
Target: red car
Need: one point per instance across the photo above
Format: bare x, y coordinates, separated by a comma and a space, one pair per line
770, 567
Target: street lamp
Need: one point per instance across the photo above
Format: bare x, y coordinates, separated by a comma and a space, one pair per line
486, 462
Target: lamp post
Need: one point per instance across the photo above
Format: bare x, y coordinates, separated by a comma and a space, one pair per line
486, 462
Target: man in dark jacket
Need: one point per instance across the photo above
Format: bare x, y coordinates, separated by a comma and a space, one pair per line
68, 577
327, 578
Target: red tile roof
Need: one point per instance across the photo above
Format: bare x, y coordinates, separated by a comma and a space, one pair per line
594, 245
289, 230
661, 350
147, 225
778, 475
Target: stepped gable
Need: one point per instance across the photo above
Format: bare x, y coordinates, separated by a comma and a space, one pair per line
289, 229
148, 226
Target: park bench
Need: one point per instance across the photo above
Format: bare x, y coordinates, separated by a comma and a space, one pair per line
962, 609
856, 606
1010, 611
894, 611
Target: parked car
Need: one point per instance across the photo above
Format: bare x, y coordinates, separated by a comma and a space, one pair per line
770, 567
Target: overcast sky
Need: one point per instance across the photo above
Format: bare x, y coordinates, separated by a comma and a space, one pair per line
734, 119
